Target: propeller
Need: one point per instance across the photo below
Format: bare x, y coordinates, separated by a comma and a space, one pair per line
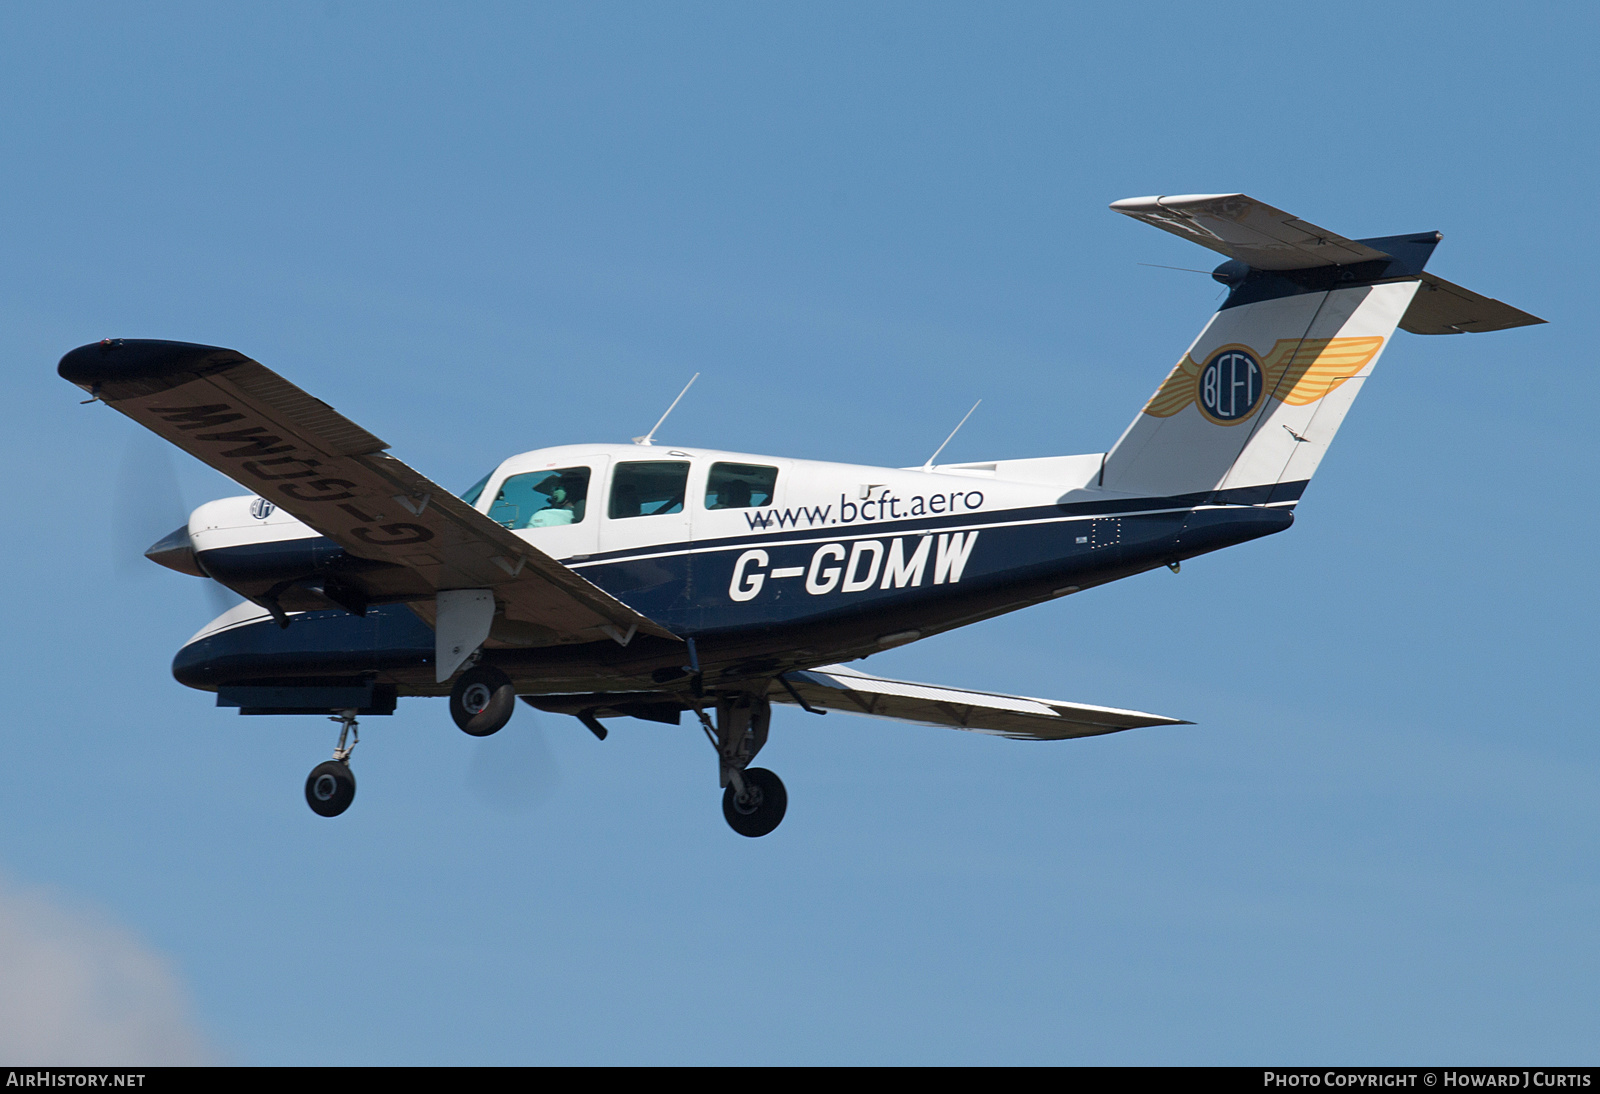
515, 770
149, 507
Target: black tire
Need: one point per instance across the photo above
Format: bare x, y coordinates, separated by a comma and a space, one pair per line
482, 701
330, 788
765, 809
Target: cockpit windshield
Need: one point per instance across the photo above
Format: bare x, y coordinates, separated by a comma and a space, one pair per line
542, 499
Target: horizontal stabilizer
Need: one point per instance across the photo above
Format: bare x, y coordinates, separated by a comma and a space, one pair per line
1444, 308
1251, 231
1269, 239
834, 687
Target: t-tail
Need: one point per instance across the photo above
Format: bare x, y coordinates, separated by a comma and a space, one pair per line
1251, 408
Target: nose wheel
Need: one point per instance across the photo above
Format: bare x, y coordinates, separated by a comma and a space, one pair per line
331, 786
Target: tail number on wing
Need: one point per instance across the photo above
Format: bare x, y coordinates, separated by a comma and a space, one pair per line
863, 564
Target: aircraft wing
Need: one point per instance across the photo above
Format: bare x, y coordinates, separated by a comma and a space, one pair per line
265, 433
834, 687
1252, 231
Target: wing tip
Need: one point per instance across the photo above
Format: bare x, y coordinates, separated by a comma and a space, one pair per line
120, 360
1153, 201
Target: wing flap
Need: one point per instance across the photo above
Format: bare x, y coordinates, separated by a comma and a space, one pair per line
267, 434
1019, 717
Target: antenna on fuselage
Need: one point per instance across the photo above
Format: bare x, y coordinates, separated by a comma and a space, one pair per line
649, 438
929, 465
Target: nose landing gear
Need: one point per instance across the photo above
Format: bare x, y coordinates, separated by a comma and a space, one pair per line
331, 787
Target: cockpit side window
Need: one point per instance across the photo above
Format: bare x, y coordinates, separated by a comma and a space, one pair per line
740, 486
648, 489
542, 499
475, 491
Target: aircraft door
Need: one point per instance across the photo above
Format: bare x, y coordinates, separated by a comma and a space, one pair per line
557, 509
644, 531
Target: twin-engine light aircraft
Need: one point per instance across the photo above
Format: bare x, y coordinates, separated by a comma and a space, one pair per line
606, 581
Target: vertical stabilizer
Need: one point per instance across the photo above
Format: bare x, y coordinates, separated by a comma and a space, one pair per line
1256, 400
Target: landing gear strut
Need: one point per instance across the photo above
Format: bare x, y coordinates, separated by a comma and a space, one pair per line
753, 798
330, 788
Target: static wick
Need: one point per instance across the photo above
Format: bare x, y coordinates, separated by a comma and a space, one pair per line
929, 465
1159, 266
649, 438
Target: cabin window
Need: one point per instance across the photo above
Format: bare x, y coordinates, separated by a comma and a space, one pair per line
542, 499
648, 489
740, 486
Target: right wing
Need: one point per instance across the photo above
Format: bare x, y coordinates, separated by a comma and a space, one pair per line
834, 687
265, 433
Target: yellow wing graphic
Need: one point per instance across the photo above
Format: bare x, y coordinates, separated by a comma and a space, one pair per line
1303, 370
1176, 391
1298, 371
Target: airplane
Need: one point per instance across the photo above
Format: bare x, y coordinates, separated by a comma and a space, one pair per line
629, 580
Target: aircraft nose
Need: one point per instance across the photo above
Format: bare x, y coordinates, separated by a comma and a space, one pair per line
175, 551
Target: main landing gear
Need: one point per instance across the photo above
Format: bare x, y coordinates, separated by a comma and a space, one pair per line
331, 787
759, 807
753, 798
482, 700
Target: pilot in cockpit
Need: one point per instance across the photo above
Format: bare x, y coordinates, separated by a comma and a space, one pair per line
566, 495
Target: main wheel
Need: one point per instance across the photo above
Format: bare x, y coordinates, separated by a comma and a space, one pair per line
763, 807
482, 701
330, 788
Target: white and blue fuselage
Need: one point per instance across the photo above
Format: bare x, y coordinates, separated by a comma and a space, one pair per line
794, 561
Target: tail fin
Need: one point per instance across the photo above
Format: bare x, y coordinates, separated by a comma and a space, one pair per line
1253, 405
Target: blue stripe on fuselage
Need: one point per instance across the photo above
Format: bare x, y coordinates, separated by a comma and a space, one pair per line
689, 587
686, 586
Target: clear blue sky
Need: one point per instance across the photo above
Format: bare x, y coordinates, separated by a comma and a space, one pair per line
479, 229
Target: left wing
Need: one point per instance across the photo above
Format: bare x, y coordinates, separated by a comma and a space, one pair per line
834, 687
298, 452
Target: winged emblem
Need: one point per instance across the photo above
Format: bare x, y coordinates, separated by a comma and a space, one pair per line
1298, 371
